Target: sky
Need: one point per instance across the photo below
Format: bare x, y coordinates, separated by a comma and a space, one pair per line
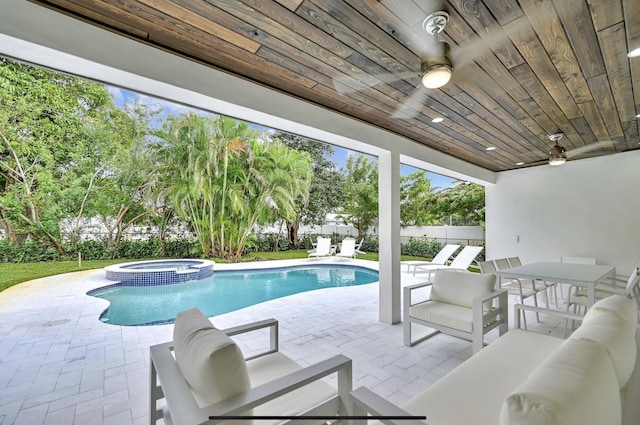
166, 108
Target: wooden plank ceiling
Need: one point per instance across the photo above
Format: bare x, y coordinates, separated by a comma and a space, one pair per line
523, 69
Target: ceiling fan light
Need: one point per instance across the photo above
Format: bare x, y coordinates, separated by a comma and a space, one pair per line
557, 161
437, 76
634, 53
557, 155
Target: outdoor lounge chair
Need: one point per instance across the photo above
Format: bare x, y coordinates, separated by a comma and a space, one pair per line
203, 373
359, 246
440, 258
323, 248
347, 249
460, 303
462, 261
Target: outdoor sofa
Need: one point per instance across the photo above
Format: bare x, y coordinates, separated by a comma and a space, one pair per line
591, 378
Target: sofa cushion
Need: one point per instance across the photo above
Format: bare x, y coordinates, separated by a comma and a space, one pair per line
460, 287
473, 392
622, 306
445, 314
211, 363
575, 385
617, 336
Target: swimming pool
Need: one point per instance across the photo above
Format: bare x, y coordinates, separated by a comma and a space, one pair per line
223, 292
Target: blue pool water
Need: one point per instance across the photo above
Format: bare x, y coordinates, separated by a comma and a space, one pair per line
223, 292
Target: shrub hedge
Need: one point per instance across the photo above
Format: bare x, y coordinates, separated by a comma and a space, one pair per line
421, 247
35, 251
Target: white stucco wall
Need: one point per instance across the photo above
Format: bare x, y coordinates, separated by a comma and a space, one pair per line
588, 208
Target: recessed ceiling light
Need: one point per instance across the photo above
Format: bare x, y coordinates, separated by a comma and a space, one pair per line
437, 119
519, 163
491, 148
634, 53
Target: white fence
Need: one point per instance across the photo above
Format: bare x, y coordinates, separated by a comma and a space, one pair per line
465, 235
92, 228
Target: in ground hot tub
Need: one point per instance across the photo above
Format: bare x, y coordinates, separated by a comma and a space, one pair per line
160, 272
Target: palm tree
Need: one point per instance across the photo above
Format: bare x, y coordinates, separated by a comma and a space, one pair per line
222, 179
279, 178
198, 161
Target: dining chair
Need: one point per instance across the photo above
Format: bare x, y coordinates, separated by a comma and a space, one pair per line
574, 290
631, 289
487, 267
522, 288
619, 285
515, 262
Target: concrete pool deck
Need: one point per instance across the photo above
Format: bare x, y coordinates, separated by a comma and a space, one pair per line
60, 365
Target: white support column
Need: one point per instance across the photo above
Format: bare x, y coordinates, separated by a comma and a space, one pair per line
389, 236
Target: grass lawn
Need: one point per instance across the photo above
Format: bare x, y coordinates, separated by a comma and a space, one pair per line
12, 274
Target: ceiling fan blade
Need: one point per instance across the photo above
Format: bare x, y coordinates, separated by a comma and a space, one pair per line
607, 145
412, 106
494, 35
346, 84
534, 163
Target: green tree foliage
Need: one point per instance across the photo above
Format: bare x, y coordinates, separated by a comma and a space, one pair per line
123, 190
327, 184
287, 175
360, 206
462, 203
416, 197
67, 152
162, 218
56, 131
223, 179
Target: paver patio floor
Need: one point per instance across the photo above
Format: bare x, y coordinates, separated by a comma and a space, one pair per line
60, 365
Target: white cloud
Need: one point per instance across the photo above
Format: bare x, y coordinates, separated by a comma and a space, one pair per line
117, 93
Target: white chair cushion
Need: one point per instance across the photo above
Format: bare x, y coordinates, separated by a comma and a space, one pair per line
618, 337
266, 368
211, 363
622, 306
575, 385
460, 287
450, 315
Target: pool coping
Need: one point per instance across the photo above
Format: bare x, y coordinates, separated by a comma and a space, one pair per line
125, 274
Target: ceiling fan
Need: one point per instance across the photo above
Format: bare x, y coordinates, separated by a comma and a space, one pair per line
558, 154
440, 64
436, 64
437, 69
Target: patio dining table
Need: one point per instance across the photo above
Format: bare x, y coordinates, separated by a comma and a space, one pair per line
585, 275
